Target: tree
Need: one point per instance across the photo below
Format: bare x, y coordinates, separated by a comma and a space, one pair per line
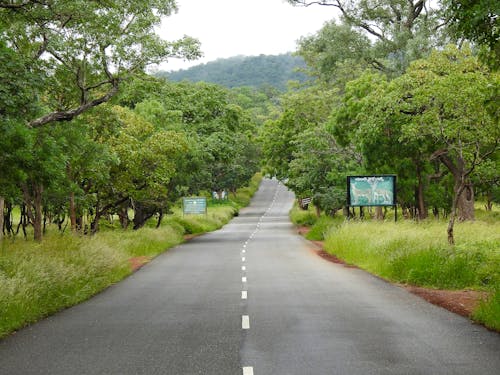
220, 152
402, 29
303, 109
85, 49
337, 53
319, 167
18, 103
477, 21
464, 132
369, 119
147, 161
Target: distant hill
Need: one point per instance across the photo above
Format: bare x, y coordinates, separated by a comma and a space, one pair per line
255, 71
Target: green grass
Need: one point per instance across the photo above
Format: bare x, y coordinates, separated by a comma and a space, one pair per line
418, 254
38, 279
322, 226
488, 311
303, 217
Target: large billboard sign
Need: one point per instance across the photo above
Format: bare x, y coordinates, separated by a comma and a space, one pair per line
378, 190
194, 205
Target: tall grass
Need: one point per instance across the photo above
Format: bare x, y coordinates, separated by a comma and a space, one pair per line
38, 279
303, 217
418, 254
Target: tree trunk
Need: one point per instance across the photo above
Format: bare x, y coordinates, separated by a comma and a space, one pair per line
449, 231
2, 205
422, 209
33, 209
459, 191
141, 214
318, 211
94, 225
72, 211
160, 217
465, 204
123, 216
37, 204
8, 219
379, 213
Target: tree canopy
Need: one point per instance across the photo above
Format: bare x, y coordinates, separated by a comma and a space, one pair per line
82, 50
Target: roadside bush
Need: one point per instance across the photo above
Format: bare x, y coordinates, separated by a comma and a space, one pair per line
303, 217
322, 225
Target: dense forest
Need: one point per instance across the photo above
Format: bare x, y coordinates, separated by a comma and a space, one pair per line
253, 71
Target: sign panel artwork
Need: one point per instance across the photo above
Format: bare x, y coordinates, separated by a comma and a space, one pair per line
194, 205
371, 190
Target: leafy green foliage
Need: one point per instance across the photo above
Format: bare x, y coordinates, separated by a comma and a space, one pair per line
82, 50
337, 53
478, 21
401, 31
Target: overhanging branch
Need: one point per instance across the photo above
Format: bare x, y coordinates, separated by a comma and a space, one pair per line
14, 6
71, 114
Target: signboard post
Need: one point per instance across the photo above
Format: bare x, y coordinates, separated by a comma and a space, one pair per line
194, 205
376, 190
304, 203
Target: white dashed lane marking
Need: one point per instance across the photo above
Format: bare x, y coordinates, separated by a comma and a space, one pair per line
247, 370
244, 294
245, 322
244, 279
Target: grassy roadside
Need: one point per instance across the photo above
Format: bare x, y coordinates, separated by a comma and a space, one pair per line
38, 279
418, 254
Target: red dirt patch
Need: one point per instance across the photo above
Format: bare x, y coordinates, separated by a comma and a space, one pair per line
330, 257
138, 262
462, 302
188, 237
303, 230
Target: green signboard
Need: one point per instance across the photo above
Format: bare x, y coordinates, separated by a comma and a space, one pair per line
371, 190
194, 205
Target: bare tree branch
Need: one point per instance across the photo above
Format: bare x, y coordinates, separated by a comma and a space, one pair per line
14, 6
71, 114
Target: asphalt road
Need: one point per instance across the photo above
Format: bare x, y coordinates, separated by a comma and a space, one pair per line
252, 298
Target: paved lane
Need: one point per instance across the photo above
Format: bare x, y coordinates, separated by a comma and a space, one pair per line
252, 298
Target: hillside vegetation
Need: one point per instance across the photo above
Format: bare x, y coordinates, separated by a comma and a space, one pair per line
254, 71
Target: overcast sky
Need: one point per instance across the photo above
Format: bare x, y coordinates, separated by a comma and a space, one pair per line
228, 28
